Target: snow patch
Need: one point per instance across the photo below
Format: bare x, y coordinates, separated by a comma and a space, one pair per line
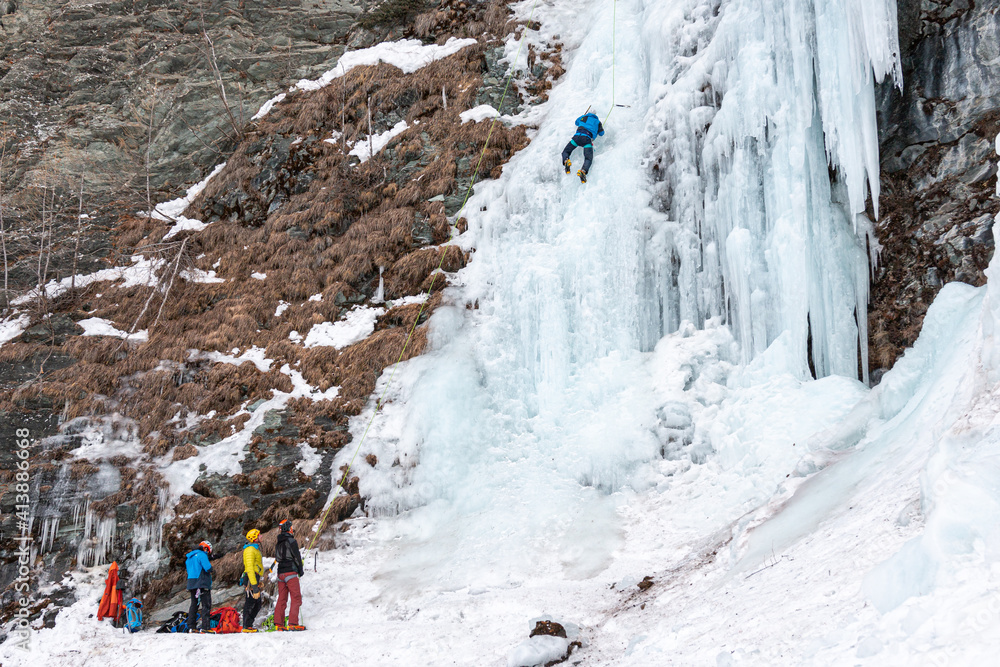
408, 55
256, 355
171, 211
95, 326
476, 114
199, 276
365, 149
13, 326
267, 106
142, 272
311, 460
357, 325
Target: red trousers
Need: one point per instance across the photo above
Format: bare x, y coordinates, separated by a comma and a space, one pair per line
288, 587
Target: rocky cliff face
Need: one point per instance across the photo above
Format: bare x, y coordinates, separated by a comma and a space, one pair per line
938, 165
81, 80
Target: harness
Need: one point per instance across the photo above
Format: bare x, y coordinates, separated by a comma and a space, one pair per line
585, 138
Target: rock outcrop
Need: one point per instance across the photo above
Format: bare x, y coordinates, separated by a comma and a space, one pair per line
938, 165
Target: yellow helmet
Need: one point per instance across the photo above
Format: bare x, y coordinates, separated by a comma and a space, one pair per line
252, 535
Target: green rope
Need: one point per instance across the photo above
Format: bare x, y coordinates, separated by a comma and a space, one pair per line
430, 290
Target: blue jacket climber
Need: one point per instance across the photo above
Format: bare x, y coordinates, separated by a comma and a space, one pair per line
199, 569
588, 126
199, 585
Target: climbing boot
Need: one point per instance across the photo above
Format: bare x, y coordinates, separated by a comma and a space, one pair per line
582, 174
294, 628
249, 629
567, 164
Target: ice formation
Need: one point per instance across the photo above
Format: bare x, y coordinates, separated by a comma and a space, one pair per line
518, 432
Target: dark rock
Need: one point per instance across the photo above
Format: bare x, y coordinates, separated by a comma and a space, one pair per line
936, 139
550, 628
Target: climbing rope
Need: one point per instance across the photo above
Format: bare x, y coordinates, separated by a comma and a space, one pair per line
430, 290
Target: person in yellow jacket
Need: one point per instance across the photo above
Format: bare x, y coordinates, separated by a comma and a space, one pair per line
253, 571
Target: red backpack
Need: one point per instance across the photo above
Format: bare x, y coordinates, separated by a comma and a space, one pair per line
229, 620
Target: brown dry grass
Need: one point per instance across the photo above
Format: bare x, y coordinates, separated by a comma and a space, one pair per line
330, 235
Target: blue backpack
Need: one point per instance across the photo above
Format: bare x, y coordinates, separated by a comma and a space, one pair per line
133, 615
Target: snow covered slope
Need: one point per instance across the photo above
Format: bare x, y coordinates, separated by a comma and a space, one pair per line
585, 418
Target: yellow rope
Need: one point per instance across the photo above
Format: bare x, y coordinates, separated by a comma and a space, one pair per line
430, 290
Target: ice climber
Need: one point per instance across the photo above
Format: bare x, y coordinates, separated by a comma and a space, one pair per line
588, 126
253, 570
289, 560
199, 571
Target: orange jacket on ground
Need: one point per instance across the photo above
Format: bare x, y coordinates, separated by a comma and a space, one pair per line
111, 601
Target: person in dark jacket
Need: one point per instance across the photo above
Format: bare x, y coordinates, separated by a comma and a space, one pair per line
286, 554
199, 584
588, 127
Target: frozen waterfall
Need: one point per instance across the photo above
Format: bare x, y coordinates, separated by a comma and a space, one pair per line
725, 208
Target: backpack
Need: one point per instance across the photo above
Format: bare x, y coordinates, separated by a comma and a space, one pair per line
229, 620
133, 615
176, 623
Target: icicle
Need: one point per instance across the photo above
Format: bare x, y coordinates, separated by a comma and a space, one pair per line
762, 102
380, 292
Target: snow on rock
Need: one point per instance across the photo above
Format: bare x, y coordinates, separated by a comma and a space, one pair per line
357, 325
365, 149
311, 459
258, 276
13, 326
476, 114
95, 326
537, 650
408, 55
224, 457
171, 211
266, 107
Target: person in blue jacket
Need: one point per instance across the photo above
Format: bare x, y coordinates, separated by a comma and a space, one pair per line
588, 127
199, 584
